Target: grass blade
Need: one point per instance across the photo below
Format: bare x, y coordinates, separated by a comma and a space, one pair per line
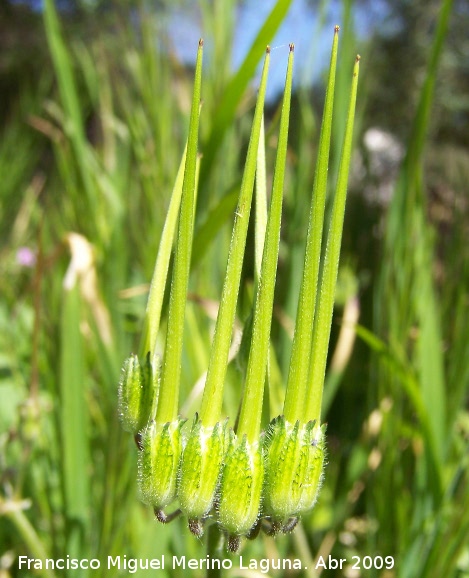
74, 419
237, 86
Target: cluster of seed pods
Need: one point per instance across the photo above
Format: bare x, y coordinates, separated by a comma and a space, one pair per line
243, 479
213, 475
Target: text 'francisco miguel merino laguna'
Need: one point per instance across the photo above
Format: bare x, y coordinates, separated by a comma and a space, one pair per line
132, 565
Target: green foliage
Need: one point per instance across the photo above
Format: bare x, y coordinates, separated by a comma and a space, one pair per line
96, 152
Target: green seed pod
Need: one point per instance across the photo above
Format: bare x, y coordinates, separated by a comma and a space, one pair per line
294, 465
159, 462
151, 387
240, 488
200, 470
130, 393
137, 393
314, 441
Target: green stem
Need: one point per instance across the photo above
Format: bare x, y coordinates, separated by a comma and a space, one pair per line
171, 373
158, 282
322, 326
251, 408
213, 541
213, 392
299, 361
28, 534
261, 204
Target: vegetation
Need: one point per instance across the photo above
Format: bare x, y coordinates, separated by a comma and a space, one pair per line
92, 140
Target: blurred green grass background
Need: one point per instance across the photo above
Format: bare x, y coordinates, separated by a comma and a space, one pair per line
93, 129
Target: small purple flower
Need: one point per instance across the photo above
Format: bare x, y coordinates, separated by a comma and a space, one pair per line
26, 257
